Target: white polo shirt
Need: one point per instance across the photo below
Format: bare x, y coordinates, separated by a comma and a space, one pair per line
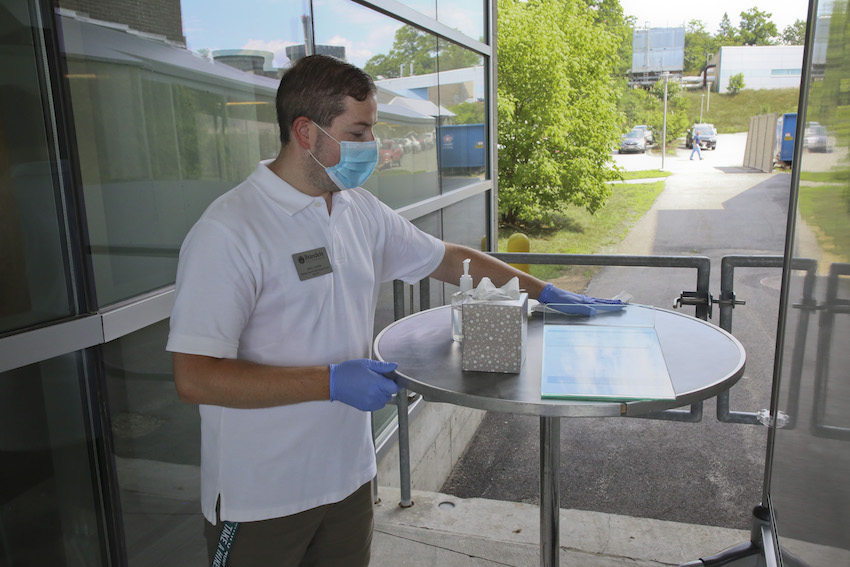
239, 295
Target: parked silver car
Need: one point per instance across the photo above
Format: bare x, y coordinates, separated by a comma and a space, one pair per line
633, 142
647, 133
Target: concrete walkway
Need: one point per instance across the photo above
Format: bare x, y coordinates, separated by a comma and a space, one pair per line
444, 531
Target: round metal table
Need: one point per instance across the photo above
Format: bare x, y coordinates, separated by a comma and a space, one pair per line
702, 360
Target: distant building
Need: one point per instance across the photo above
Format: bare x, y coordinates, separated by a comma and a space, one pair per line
656, 51
763, 66
296, 52
248, 60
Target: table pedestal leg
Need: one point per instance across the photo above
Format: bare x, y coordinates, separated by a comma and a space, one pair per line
550, 506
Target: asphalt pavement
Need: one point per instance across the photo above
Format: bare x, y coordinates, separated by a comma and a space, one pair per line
707, 473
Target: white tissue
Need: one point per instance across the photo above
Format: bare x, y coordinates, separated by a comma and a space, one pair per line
486, 291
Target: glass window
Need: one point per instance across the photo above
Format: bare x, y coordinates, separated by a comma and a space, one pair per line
466, 17
157, 452
166, 122
403, 64
35, 284
466, 223
463, 132
49, 512
385, 313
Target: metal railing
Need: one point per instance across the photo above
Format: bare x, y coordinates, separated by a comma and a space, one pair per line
702, 301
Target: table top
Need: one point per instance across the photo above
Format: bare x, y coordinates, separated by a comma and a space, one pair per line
702, 360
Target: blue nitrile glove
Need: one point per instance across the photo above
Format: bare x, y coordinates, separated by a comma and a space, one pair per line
575, 303
361, 383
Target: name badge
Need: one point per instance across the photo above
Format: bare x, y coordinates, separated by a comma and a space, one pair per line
312, 263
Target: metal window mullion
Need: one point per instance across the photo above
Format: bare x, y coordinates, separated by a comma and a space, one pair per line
54, 340
49, 342
440, 202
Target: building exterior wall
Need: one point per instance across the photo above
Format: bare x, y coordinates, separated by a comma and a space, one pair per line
160, 17
763, 67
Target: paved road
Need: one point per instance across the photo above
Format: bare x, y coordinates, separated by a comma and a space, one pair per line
706, 473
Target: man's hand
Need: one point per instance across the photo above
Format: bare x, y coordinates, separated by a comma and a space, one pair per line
362, 384
575, 303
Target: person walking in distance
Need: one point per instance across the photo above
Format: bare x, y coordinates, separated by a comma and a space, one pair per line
697, 141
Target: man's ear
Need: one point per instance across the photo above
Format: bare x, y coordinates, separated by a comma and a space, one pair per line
303, 132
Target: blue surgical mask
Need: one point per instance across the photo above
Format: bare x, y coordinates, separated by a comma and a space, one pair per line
357, 161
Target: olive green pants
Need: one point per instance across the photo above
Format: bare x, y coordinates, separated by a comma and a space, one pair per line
334, 535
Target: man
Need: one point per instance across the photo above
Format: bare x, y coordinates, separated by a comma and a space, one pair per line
696, 142
277, 286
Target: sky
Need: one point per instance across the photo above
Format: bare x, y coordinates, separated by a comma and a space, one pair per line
223, 24
672, 13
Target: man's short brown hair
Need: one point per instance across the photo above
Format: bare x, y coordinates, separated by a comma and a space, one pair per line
316, 87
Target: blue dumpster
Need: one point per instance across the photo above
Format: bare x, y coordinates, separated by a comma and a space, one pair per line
786, 129
462, 147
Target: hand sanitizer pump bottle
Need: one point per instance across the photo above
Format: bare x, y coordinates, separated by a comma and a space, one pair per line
457, 302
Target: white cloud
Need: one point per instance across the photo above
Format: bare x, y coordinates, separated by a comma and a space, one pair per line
357, 54
468, 21
276, 46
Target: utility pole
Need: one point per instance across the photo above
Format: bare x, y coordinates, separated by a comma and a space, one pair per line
701, 101
664, 127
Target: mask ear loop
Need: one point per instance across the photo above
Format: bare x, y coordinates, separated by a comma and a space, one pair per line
329, 136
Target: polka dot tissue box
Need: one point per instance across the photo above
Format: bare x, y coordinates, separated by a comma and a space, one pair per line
494, 334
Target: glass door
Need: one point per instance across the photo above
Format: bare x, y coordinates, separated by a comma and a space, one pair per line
51, 511
809, 459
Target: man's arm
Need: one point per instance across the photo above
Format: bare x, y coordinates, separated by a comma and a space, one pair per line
246, 385
360, 383
481, 264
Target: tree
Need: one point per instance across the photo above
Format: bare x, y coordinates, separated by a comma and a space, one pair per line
727, 34
556, 107
677, 110
699, 45
421, 50
609, 15
468, 112
756, 28
795, 34
736, 84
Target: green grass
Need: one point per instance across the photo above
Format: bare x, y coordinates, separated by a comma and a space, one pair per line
731, 113
579, 232
825, 209
834, 176
645, 174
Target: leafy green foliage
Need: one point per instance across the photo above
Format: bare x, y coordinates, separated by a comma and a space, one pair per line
736, 84
699, 46
468, 113
415, 53
556, 108
756, 28
795, 34
640, 106
727, 34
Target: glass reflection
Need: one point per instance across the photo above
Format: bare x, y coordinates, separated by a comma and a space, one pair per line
34, 287
809, 491
166, 122
464, 131
466, 17
407, 116
156, 440
385, 313
49, 514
